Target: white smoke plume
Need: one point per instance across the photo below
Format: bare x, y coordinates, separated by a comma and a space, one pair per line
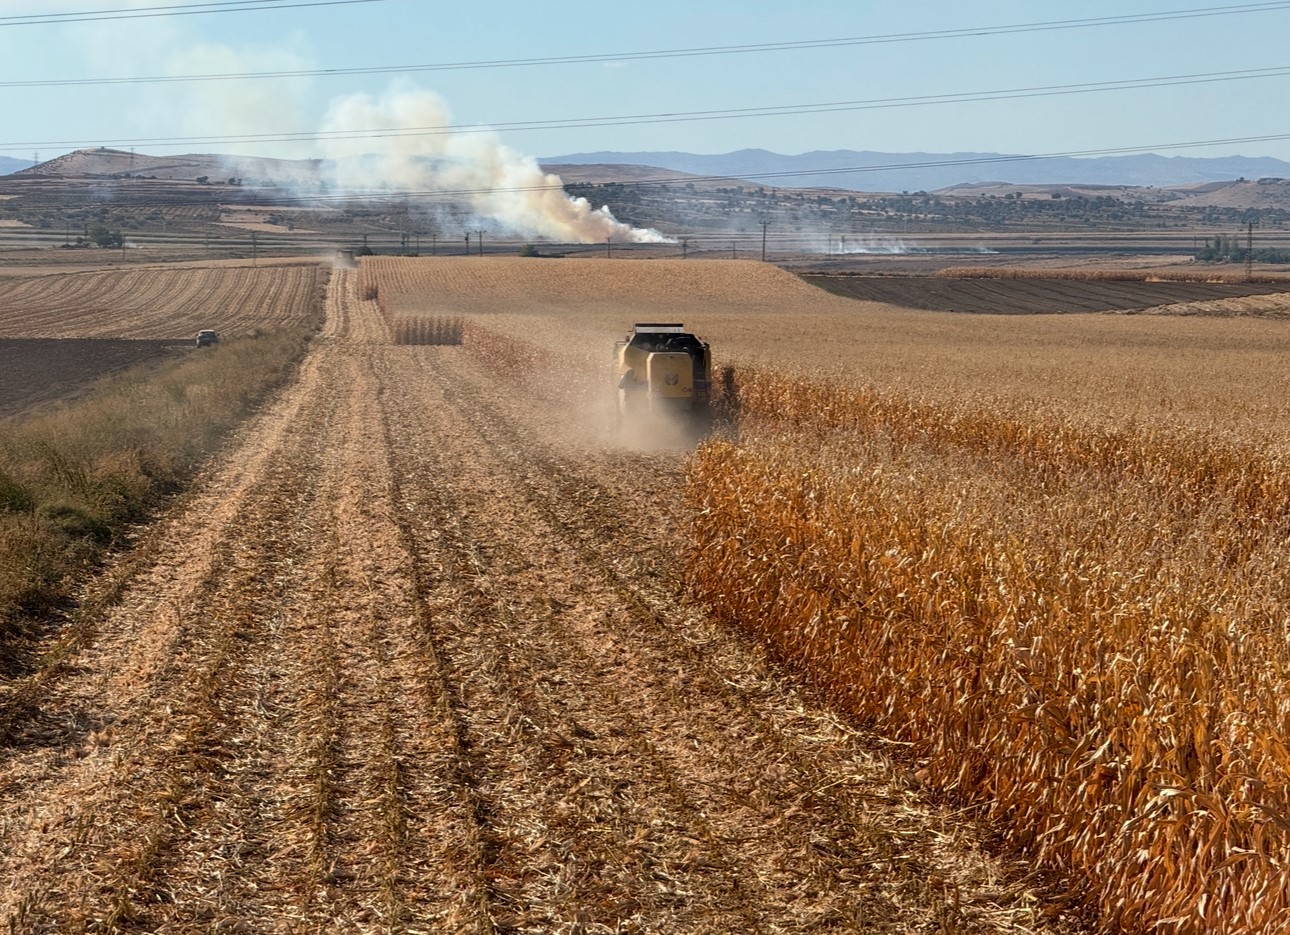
868, 245
498, 182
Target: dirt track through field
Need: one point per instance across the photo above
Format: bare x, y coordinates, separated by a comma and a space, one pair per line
412, 659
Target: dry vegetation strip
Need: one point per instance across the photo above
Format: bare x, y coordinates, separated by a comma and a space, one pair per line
72, 480
1080, 632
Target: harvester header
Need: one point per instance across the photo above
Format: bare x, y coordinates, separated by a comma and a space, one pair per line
647, 327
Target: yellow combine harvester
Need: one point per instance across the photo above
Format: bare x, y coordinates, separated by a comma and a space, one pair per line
664, 372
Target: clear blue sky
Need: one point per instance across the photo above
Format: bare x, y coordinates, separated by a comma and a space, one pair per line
417, 32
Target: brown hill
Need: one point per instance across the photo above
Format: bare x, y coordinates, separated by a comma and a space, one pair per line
1259, 193
1240, 193
103, 162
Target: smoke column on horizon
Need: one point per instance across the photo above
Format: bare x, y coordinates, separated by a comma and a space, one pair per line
501, 183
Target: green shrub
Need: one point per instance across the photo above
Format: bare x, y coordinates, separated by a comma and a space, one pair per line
77, 521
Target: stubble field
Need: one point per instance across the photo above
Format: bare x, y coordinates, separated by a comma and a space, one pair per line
156, 302
432, 649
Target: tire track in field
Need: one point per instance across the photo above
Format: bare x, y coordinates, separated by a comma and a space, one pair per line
574, 820
774, 800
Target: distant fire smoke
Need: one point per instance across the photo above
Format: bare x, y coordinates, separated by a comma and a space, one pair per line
850, 244
498, 182
882, 246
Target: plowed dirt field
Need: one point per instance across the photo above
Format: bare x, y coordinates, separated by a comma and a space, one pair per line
38, 370
412, 659
1053, 296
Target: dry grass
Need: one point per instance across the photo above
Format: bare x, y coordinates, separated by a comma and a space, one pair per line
73, 479
492, 285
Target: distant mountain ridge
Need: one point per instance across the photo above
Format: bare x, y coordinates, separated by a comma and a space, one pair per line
896, 172
9, 164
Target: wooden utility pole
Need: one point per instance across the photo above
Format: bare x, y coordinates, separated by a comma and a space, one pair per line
481, 242
764, 225
1249, 251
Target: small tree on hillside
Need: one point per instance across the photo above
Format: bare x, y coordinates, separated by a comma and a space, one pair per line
100, 236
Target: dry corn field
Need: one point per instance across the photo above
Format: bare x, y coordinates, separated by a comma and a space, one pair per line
157, 302
433, 650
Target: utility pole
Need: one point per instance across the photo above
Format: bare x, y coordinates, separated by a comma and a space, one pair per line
1249, 251
764, 225
467, 243
685, 246
255, 248
481, 242
434, 244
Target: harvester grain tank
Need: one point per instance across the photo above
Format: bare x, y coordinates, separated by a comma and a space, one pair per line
663, 370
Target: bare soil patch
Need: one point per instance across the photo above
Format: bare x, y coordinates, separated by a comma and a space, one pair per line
40, 370
1030, 296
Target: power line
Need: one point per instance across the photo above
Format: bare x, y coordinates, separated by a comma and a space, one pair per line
798, 45
678, 116
178, 9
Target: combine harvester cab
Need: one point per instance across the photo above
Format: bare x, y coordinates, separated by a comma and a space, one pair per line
664, 374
